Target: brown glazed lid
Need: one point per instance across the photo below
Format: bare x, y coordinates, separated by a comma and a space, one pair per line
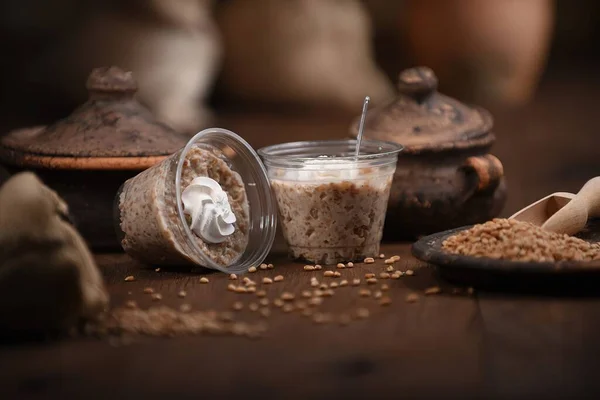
422, 119
112, 130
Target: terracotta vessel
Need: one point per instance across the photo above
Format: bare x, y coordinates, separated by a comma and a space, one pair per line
86, 156
484, 51
445, 176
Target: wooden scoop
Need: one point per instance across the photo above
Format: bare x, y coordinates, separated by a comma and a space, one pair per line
540, 211
564, 212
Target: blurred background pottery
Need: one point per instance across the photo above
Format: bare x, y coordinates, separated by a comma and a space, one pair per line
300, 54
445, 176
483, 51
86, 156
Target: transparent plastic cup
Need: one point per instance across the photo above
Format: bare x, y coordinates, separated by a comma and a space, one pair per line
150, 218
332, 204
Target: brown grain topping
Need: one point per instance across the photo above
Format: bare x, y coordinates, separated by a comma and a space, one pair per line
148, 290
369, 260
204, 280
129, 278
278, 278
252, 269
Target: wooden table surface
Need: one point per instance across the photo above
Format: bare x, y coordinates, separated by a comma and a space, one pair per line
482, 345
489, 345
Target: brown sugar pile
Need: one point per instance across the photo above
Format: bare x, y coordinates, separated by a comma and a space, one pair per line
520, 241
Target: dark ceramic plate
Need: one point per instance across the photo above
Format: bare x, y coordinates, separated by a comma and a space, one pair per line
493, 273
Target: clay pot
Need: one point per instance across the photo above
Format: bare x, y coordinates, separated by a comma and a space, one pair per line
445, 176
486, 51
86, 156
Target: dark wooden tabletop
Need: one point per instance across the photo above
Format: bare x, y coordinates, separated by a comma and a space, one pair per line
456, 345
487, 345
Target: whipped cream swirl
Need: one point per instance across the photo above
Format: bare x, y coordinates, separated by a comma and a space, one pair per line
324, 169
207, 203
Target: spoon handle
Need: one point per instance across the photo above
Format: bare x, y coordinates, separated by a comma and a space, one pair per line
572, 218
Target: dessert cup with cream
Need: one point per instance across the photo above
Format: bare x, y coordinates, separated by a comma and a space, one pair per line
332, 204
209, 204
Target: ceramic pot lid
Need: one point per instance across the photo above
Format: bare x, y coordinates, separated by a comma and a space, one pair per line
112, 123
421, 118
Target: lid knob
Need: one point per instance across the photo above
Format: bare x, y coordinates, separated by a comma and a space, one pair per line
111, 81
417, 83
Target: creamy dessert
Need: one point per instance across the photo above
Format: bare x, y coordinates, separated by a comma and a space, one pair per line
332, 210
215, 207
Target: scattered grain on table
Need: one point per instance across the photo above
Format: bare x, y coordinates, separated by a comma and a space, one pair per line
433, 290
